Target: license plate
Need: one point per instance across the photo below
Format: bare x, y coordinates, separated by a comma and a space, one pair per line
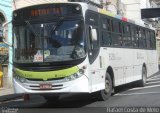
45, 86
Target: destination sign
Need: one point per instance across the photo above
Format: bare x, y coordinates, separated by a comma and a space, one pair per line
47, 11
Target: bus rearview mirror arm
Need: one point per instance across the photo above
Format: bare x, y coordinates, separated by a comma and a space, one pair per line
8, 44
4, 25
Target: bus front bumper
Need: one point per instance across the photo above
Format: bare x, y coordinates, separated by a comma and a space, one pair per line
80, 85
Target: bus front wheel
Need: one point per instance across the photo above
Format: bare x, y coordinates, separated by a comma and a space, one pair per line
106, 93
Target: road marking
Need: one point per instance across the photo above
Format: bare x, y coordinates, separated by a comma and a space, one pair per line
154, 78
152, 82
144, 87
119, 94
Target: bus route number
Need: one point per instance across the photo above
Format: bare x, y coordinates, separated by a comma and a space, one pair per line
38, 58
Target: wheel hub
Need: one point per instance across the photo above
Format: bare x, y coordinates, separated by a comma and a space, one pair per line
107, 86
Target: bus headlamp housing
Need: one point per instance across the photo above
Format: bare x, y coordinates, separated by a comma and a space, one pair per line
73, 77
81, 71
19, 78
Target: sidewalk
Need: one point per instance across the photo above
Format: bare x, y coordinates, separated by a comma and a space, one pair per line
6, 94
6, 91
9, 99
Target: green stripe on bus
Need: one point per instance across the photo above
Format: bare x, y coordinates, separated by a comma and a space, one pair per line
47, 75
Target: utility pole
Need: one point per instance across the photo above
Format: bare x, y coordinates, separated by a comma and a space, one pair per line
118, 6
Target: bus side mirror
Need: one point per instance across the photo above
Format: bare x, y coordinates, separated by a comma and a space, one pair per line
93, 37
5, 32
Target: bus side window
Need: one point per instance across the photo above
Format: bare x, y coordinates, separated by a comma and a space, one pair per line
116, 35
137, 36
144, 39
127, 35
124, 32
153, 40
106, 39
120, 33
132, 36
148, 40
140, 38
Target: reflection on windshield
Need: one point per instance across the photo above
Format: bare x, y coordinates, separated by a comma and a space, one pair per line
49, 42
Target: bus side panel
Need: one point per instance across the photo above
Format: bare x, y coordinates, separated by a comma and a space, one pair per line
98, 71
152, 65
116, 61
129, 57
138, 64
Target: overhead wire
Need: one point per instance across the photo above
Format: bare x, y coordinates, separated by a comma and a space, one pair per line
14, 4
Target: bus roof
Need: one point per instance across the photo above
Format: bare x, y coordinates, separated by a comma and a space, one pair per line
26, 3
109, 13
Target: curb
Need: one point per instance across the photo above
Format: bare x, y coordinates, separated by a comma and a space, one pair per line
17, 101
9, 97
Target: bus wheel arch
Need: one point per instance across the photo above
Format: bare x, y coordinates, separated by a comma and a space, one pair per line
109, 84
104, 94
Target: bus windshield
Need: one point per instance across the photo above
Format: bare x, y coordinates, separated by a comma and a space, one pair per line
49, 42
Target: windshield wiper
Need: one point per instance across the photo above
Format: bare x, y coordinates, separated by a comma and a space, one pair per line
58, 23
31, 28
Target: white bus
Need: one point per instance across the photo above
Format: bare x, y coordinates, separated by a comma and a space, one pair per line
77, 47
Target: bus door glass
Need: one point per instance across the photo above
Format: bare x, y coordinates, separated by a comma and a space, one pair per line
93, 35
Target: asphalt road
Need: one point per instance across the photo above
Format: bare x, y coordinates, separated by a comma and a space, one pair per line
127, 96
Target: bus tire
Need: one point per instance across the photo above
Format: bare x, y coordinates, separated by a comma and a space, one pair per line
106, 93
142, 82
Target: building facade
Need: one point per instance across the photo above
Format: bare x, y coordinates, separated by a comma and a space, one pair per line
6, 51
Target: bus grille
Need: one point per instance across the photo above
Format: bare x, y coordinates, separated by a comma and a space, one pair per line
47, 80
37, 86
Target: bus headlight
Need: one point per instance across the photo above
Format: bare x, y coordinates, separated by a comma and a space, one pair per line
81, 71
73, 77
19, 78
22, 80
